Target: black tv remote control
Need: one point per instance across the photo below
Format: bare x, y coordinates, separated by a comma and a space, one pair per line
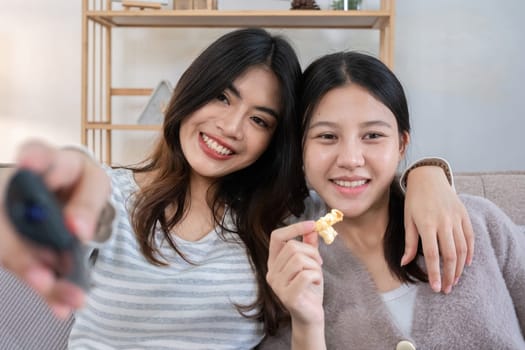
37, 215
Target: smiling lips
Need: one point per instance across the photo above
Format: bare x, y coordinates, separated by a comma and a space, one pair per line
350, 184
215, 147
351, 187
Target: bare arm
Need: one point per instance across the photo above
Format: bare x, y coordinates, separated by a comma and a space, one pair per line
434, 212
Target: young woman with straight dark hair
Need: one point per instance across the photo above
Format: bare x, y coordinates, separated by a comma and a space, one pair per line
354, 294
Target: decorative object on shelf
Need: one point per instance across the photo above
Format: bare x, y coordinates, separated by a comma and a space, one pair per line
347, 4
205, 4
195, 4
304, 5
153, 113
142, 4
183, 4
325, 5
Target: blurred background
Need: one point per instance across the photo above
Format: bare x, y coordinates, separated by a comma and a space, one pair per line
462, 64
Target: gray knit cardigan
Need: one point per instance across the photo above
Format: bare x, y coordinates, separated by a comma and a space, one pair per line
486, 309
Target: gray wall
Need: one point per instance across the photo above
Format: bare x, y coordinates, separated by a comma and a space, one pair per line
463, 66
461, 62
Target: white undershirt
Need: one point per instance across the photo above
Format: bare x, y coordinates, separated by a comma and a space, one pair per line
400, 302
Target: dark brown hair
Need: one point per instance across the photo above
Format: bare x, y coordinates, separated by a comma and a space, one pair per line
260, 196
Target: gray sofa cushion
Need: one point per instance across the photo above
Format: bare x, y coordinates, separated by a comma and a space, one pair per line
506, 189
25, 321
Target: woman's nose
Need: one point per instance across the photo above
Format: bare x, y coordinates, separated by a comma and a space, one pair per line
231, 125
350, 155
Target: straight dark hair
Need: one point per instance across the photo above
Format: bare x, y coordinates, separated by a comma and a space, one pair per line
260, 196
343, 68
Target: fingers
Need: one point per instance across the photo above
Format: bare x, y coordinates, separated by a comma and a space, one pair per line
91, 194
312, 239
303, 298
430, 247
68, 294
83, 188
453, 250
468, 233
431, 254
296, 278
36, 156
65, 298
460, 244
295, 269
280, 236
464, 243
23, 261
456, 240
15, 255
40, 278
294, 265
62, 312
411, 242
294, 257
444, 227
450, 248
81, 183
449, 256
302, 282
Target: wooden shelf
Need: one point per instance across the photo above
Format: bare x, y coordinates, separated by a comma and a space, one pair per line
99, 19
233, 19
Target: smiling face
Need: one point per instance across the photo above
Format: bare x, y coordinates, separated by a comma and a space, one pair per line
352, 149
231, 132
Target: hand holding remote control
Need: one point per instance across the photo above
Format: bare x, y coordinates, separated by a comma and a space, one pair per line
37, 215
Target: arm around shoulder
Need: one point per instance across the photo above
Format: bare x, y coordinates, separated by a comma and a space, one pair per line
435, 162
434, 212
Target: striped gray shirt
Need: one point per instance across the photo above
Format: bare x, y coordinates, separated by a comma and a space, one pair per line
136, 305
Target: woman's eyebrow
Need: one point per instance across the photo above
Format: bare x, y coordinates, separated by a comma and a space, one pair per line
268, 111
364, 124
377, 123
322, 123
263, 109
234, 90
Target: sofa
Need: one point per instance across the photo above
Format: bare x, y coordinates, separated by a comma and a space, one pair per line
27, 324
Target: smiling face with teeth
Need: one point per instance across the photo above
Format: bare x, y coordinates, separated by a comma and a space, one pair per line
352, 149
231, 132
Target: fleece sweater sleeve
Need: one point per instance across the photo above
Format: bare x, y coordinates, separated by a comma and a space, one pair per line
508, 241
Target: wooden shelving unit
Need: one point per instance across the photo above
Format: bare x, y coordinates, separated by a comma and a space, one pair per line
98, 20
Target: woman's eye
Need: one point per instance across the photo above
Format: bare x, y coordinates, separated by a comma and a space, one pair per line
223, 98
372, 136
260, 121
327, 136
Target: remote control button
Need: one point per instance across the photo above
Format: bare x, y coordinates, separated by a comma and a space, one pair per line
35, 213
